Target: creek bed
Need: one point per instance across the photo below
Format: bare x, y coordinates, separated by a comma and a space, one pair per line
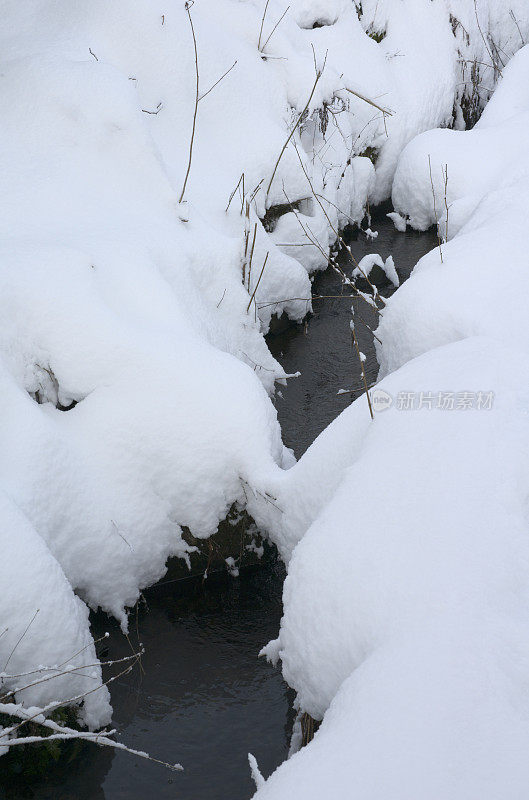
204, 698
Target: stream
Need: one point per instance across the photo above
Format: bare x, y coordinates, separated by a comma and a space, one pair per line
202, 697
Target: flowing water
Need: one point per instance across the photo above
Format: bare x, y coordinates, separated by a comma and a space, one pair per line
322, 350
202, 697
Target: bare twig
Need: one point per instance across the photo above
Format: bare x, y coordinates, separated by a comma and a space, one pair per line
157, 111
386, 111
360, 359
70, 701
232, 195
275, 27
251, 255
487, 48
445, 177
71, 671
217, 82
258, 282
188, 6
62, 732
56, 667
121, 536
517, 25
435, 208
262, 24
30, 623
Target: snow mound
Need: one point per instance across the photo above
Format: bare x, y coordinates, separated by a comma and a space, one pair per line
42, 618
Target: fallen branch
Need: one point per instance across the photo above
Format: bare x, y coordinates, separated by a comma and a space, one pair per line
61, 732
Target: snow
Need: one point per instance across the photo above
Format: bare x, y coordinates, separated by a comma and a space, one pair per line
398, 221
42, 618
405, 620
371, 260
135, 380
406, 604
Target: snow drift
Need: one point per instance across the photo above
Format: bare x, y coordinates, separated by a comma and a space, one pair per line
406, 606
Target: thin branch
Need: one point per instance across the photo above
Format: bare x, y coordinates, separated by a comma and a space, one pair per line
188, 5
364, 379
251, 255
65, 733
262, 24
385, 111
445, 176
26, 630
232, 195
484, 40
59, 703
72, 671
435, 209
258, 282
517, 25
275, 26
158, 109
217, 82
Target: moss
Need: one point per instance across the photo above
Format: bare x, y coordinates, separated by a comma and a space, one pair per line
377, 36
273, 213
231, 539
371, 153
33, 761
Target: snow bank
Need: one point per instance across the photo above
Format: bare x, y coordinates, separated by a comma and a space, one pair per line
44, 619
406, 603
487, 190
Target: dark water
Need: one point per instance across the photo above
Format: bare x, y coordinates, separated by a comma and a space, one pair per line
204, 698
322, 350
